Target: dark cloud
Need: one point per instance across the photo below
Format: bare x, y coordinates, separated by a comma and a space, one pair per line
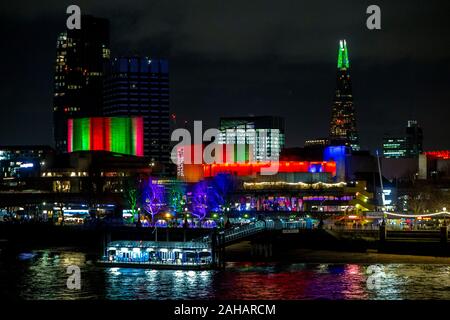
247, 57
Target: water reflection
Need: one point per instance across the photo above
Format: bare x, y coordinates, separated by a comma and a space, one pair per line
127, 283
42, 275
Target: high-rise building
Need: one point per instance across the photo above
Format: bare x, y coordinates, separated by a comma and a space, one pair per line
81, 55
408, 146
343, 129
139, 87
264, 134
395, 147
414, 138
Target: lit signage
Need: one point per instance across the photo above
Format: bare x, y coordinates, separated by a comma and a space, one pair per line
387, 196
27, 165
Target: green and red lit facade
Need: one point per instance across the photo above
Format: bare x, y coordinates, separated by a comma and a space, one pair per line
114, 134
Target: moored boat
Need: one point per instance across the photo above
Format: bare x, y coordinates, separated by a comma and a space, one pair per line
158, 255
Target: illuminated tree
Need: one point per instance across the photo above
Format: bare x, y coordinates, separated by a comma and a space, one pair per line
219, 191
177, 197
131, 195
199, 200
153, 197
212, 195
426, 198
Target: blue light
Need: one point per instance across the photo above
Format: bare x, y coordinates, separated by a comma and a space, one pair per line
334, 153
315, 167
338, 155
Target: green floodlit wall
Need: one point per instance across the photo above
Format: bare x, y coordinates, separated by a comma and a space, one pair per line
120, 135
241, 153
81, 137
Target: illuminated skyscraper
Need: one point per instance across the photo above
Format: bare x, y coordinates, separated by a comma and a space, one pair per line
80, 59
139, 87
343, 121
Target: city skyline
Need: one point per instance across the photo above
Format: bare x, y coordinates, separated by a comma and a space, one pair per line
238, 79
250, 157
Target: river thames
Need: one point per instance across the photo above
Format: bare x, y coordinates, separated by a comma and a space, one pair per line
41, 274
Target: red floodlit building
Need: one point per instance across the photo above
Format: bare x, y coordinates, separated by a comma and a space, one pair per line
434, 165
255, 168
441, 154
240, 164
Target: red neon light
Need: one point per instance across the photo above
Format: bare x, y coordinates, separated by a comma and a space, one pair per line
139, 136
441, 154
248, 169
107, 135
329, 166
69, 135
97, 134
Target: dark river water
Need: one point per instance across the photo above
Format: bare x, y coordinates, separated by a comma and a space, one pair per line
42, 275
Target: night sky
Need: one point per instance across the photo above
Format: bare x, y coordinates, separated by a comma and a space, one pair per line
241, 57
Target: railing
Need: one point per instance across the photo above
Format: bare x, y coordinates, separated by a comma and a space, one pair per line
258, 226
377, 227
199, 262
293, 225
252, 228
245, 230
350, 228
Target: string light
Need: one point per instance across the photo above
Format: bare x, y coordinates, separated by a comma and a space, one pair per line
416, 215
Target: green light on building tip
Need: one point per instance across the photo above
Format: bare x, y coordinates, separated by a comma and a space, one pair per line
343, 62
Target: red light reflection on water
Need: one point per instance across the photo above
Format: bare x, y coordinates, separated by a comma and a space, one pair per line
297, 282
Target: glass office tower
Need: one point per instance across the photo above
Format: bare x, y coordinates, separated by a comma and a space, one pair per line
81, 56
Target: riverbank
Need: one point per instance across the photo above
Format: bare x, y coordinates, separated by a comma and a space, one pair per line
312, 246
242, 252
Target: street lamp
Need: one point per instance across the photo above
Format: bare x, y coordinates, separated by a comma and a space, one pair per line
445, 216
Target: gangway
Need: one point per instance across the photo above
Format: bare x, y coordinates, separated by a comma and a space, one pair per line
252, 228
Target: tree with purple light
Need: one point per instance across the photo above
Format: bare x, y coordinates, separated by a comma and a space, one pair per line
211, 195
153, 197
200, 200
219, 191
